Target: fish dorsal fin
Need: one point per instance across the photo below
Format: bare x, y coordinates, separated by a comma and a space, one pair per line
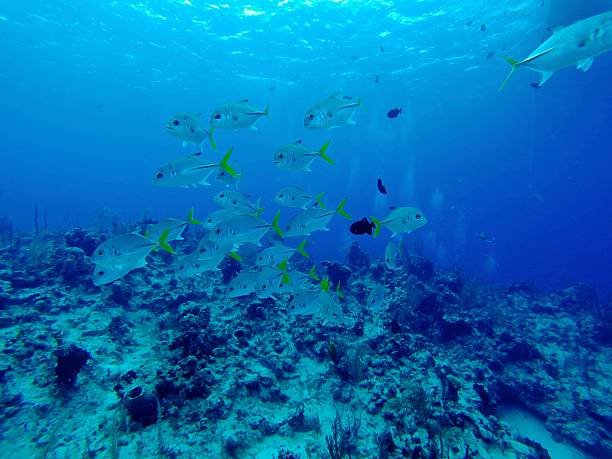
243, 101
554, 29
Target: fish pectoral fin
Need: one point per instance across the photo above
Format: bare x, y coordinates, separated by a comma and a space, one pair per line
545, 78
252, 127
585, 64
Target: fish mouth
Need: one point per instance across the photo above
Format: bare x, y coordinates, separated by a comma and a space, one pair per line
170, 128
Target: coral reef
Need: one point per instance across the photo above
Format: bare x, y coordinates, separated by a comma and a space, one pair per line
421, 370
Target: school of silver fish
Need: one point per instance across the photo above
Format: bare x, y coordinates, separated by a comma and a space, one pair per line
238, 221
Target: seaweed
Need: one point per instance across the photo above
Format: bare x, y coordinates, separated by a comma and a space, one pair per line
342, 442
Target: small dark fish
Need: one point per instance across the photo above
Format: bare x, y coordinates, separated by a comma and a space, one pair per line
381, 187
490, 54
362, 226
382, 50
99, 106
377, 79
354, 58
469, 23
483, 27
271, 88
394, 112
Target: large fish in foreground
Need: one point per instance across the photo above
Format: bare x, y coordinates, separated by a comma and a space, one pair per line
577, 44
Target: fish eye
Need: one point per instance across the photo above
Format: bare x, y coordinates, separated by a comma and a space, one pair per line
176, 122
217, 116
280, 195
281, 156
311, 117
100, 252
100, 273
234, 202
159, 175
418, 216
221, 195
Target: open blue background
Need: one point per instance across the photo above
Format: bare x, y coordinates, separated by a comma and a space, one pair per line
86, 88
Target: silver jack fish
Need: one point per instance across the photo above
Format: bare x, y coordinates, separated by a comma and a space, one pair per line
577, 44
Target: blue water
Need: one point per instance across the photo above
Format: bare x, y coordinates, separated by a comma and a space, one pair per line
86, 90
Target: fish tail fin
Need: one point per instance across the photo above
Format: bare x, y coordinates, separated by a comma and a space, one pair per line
319, 199
233, 254
213, 144
339, 293
282, 266
276, 227
260, 209
224, 163
300, 249
324, 155
191, 219
240, 181
325, 284
378, 224
266, 112
340, 209
361, 104
514, 64
313, 274
162, 241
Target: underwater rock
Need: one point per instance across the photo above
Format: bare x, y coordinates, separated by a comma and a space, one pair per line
229, 269
421, 267
378, 271
521, 351
452, 327
525, 288
286, 454
357, 258
73, 266
141, 405
70, 360
233, 442
22, 279
576, 298
192, 337
337, 273
299, 422
121, 294
86, 240
10, 404
120, 330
